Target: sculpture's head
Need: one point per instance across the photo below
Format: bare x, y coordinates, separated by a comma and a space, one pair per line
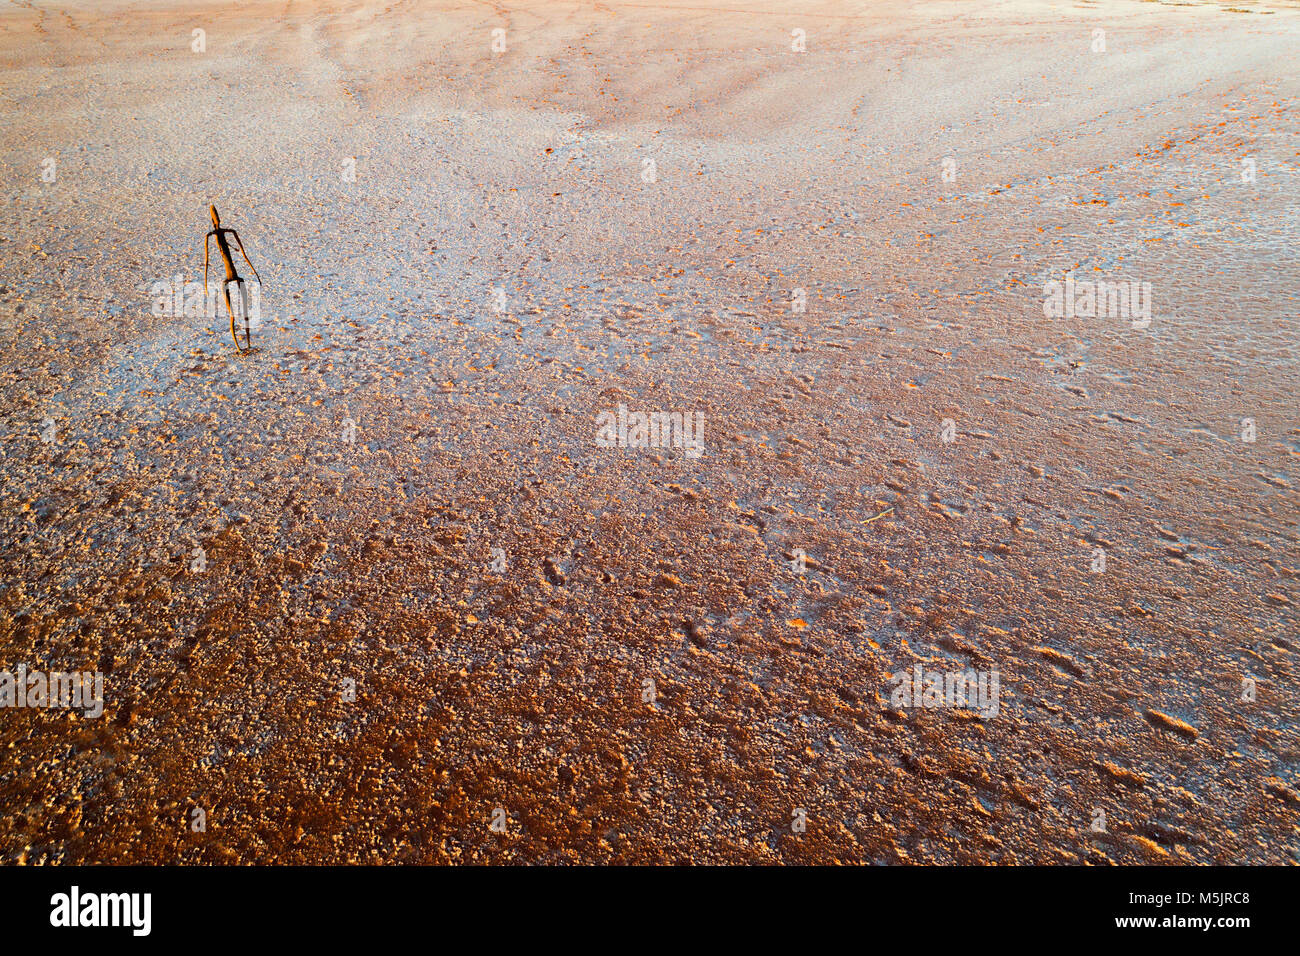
216, 220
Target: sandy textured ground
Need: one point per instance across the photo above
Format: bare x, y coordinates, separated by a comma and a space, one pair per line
525, 171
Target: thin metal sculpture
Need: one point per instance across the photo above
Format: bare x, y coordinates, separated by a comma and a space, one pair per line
231, 276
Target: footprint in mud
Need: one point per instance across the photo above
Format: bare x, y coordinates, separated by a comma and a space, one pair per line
1163, 721
1061, 661
697, 634
1277, 481
553, 573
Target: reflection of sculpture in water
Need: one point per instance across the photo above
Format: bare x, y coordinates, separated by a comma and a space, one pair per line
231, 276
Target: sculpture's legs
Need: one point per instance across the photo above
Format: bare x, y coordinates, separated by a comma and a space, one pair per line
243, 315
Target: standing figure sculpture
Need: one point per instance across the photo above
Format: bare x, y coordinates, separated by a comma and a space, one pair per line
231, 276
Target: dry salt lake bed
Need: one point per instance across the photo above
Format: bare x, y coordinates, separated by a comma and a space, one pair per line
394, 587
